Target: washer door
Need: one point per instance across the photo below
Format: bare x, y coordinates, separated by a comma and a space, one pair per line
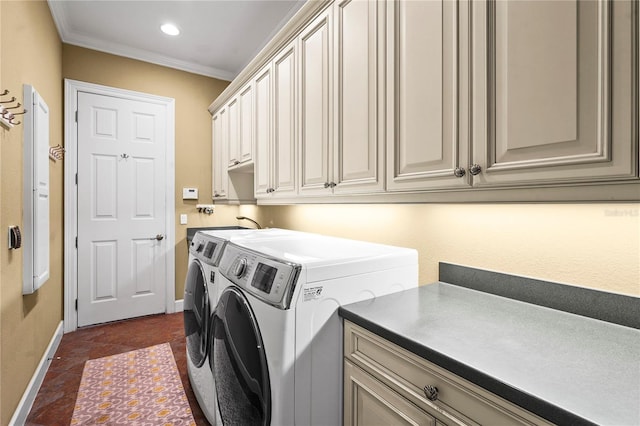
196, 313
239, 362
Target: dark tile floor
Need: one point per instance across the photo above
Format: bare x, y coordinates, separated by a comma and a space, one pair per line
57, 396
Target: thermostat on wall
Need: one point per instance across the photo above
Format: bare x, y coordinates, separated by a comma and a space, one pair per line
189, 193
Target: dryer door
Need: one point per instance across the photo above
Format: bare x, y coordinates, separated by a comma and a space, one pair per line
196, 313
239, 362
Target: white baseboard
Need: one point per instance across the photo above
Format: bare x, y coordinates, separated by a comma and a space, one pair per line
29, 396
179, 305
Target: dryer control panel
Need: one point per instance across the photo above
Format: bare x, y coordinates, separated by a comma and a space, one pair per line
207, 248
271, 280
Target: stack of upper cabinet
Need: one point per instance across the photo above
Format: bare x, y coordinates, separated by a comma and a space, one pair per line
233, 147
433, 100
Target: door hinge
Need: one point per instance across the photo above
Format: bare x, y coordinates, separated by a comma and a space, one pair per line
76, 304
76, 178
76, 242
76, 116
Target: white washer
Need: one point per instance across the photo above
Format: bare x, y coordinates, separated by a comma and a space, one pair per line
201, 297
276, 346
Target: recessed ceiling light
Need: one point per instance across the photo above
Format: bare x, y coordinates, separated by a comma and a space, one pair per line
170, 29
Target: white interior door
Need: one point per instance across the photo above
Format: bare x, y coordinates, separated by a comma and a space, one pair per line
121, 208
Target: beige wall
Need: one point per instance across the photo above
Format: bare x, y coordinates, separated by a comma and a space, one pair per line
31, 53
193, 94
590, 245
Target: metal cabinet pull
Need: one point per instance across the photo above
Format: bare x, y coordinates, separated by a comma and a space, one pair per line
459, 172
475, 169
431, 392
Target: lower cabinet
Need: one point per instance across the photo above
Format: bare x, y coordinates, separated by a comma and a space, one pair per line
369, 402
386, 384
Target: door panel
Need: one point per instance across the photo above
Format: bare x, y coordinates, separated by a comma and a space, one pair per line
245, 149
121, 208
220, 142
544, 98
233, 142
263, 132
285, 121
424, 147
358, 154
315, 106
104, 255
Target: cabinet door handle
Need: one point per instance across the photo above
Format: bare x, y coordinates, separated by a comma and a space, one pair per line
327, 184
431, 392
236, 162
459, 172
475, 169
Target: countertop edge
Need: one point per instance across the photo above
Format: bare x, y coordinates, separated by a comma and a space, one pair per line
535, 405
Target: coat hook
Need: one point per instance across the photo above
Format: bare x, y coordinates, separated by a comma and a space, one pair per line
13, 99
4, 93
11, 115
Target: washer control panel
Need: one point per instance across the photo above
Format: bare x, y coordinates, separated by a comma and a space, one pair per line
267, 278
207, 248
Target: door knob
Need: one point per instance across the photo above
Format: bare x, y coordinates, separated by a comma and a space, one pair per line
459, 172
158, 237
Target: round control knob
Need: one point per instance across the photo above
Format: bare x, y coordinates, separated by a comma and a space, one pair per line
459, 172
239, 267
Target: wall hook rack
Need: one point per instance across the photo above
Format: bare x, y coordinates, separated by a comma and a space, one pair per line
7, 117
56, 152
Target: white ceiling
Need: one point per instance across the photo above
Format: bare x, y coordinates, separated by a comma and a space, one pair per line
218, 37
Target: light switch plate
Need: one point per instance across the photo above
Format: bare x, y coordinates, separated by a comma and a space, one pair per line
189, 193
183, 219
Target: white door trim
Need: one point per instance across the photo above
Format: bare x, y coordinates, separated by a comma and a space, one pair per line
71, 89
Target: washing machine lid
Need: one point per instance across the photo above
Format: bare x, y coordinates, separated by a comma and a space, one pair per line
208, 245
326, 258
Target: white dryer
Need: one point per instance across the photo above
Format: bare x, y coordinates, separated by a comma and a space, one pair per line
200, 298
276, 344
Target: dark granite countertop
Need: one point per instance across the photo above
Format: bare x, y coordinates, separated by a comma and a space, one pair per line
566, 368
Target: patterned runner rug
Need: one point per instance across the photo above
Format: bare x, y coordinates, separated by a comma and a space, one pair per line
140, 387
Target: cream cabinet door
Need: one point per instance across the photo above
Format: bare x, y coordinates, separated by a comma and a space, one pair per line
284, 111
359, 70
263, 135
247, 123
553, 91
368, 402
423, 101
219, 161
233, 129
316, 106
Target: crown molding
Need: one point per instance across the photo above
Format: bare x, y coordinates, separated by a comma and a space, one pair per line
68, 36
